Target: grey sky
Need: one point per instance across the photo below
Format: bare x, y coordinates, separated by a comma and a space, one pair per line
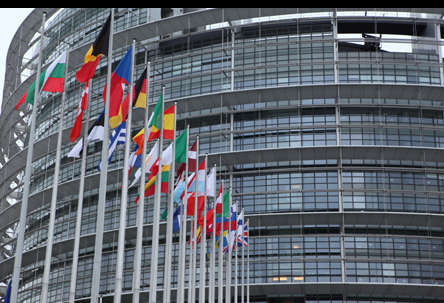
10, 20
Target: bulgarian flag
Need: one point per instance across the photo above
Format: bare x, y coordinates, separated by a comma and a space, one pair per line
51, 80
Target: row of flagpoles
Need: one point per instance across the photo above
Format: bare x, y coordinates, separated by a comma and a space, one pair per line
223, 223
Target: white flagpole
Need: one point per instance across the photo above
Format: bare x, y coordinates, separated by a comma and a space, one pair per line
97, 265
220, 278
194, 227
75, 257
235, 260
48, 254
248, 263
24, 205
156, 214
212, 290
124, 198
229, 252
203, 242
140, 205
183, 233
243, 253
169, 231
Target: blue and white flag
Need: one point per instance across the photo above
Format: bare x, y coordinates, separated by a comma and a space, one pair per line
117, 137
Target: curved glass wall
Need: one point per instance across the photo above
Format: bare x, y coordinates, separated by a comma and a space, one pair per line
260, 84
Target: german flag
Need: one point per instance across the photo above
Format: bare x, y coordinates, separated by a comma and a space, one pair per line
139, 100
92, 57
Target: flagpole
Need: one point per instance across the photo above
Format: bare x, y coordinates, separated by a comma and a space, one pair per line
243, 253
24, 205
75, 257
169, 231
140, 205
220, 278
235, 260
194, 226
156, 214
124, 198
183, 232
229, 251
248, 263
203, 242
97, 265
213, 245
50, 240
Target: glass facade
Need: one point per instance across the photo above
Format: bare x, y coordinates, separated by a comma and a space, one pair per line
331, 142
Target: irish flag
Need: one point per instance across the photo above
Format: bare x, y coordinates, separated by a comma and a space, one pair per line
51, 80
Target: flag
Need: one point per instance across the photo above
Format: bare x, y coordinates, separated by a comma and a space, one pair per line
119, 78
155, 121
181, 145
191, 160
180, 190
164, 214
8, 293
218, 204
191, 200
139, 100
75, 132
226, 205
224, 241
211, 183
200, 180
95, 132
150, 185
209, 220
138, 138
176, 219
168, 123
242, 237
139, 96
51, 80
239, 231
150, 160
167, 155
92, 57
117, 137
225, 223
134, 160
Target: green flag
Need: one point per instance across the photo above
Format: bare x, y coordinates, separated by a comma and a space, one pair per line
164, 214
181, 145
226, 205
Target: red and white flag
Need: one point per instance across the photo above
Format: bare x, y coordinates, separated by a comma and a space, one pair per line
191, 160
75, 132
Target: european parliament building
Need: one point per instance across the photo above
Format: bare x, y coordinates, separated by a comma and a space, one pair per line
327, 123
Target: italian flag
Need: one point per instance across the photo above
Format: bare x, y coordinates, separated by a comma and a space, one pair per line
51, 80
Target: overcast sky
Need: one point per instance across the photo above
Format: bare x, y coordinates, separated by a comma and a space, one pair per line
10, 21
